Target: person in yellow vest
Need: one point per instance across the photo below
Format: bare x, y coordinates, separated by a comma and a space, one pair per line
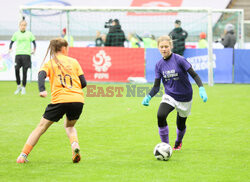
202, 42
153, 42
148, 40
66, 82
65, 36
134, 42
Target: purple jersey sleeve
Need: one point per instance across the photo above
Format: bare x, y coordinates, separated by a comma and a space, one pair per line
185, 64
157, 72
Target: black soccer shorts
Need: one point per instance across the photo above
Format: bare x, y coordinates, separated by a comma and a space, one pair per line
54, 112
23, 61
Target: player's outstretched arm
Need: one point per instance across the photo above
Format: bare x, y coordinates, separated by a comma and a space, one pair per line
202, 91
83, 81
41, 83
152, 93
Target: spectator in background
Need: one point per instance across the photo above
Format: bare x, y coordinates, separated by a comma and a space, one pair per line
145, 39
178, 36
148, 40
65, 36
202, 42
228, 40
98, 41
134, 42
153, 42
104, 37
115, 36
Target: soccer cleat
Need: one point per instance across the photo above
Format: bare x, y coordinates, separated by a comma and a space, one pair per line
177, 146
19, 88
76, 157
23, 91
22, 158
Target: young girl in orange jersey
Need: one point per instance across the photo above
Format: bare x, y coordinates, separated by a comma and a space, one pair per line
66, 82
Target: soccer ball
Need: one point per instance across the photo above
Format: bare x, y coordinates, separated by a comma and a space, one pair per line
163, 151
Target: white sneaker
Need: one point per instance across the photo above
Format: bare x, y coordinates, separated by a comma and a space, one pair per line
23, 91
19, 88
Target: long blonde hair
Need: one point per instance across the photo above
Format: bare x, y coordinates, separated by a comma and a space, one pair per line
55, 46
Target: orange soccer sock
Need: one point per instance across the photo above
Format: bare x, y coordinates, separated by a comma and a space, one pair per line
27, 149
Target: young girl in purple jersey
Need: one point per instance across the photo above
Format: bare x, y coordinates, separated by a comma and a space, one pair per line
173, 70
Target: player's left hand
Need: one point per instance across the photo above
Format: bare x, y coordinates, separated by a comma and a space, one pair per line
146, 100
203, 94
43, 94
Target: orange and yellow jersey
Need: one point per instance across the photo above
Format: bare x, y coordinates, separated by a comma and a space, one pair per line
64, 80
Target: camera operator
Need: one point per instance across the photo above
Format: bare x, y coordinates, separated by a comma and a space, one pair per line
115, 36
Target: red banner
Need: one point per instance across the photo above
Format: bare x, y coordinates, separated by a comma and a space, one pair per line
154, 3
110, 64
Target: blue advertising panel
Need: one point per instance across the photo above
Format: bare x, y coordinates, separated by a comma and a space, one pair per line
242, 66
222, 64
198, 58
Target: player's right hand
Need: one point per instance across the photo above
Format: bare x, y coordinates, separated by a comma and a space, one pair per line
43, 94
146, 100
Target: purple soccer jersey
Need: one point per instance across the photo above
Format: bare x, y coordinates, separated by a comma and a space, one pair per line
173, 73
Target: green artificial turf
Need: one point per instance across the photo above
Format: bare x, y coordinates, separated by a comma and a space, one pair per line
117, 136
